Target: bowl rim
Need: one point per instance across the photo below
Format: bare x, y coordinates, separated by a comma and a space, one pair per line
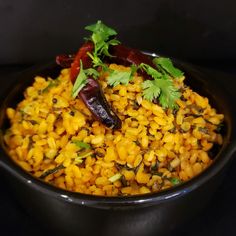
221, 159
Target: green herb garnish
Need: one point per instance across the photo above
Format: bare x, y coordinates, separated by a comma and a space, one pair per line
166, 65
151, 89
81, 144
81, 79
91, 71
161, 87
175, 181
101, 37
169, 94
151, 71
115, 177
82, 155
51, 171
119, 77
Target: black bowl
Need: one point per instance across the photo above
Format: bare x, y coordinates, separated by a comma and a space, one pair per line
69, 213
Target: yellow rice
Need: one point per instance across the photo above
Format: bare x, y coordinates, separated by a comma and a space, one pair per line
153, 147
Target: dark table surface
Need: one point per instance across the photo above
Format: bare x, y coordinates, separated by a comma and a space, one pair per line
219, 217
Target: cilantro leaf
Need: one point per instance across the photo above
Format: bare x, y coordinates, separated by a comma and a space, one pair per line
119, 77
91, 71
81, 144
105, 47
113, 42
134, 69
80, 81
150, 70
161, 87
100, 31
95, 59
150, 90
101, 38
166, 65
169, 93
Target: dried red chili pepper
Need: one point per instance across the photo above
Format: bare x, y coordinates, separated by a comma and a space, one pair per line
94, 98
64, 60
82, 55
127, 56
120, 54
91, 93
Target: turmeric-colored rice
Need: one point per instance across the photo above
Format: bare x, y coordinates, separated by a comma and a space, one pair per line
154, 150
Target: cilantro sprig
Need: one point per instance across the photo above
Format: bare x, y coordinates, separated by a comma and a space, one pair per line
121, 77
161, 87
166, 66
151, 89
150, 71
82, 79
101, 37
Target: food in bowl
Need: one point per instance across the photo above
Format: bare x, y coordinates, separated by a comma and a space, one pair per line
114, 122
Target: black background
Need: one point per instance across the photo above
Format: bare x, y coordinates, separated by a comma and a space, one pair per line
201, 32
34, 30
